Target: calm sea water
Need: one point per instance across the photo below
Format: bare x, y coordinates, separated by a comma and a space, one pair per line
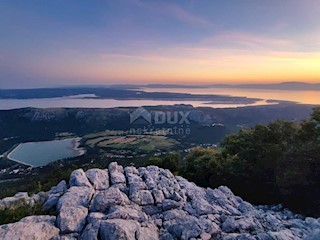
38, 154
6, 104
305, 97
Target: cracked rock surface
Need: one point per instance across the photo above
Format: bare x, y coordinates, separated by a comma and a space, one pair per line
151, 203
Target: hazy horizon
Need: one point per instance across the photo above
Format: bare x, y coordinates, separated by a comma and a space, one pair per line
174, 85
63, 43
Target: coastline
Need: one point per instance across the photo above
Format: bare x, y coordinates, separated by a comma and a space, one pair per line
15, 160
75, 143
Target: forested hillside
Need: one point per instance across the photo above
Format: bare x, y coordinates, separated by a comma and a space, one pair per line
279, 162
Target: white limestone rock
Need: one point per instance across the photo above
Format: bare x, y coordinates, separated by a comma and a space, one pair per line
72, 219
76, 196
116, 173
98, 178
78, 178
33, 227
103, 200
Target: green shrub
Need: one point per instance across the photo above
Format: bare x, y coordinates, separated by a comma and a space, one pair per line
14, 215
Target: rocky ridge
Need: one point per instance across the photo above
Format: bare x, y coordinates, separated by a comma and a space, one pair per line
151, 203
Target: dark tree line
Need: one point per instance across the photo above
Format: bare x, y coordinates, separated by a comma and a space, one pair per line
278, 162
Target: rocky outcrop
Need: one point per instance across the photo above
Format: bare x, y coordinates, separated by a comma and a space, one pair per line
33, 227
151, 203
22, 199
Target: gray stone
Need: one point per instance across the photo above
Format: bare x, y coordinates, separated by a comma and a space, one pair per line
72, 219
285, 234
116, 173
103, 200
136, 186
131, 170
312, 222
148, 232
158, 196
33, 227
60, 188
145, 198
127, 212
118, 229
142, 197
242, 223
39, 197
51, 201
201, 206
185, 230
76, 196
71, 236
78, 178
205, 236
241, 236
151, 209
175, 214
314, 235
90, 232
245, 207
98, 178
170, 204
165, 235
18, 200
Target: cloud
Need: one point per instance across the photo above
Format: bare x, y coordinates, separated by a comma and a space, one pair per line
247, 41
173, 10
184, 16
136, 56
226, 45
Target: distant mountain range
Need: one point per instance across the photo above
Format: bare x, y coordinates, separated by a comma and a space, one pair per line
303, 86
296, 86
118, 94
276, 86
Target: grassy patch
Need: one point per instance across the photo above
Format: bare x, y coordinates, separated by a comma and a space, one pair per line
145, 143
14, 215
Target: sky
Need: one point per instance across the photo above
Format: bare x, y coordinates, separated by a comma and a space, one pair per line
76, 42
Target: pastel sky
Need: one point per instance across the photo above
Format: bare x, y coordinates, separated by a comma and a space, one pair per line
75, 42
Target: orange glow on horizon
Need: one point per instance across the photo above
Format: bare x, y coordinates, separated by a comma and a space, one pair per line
182, 65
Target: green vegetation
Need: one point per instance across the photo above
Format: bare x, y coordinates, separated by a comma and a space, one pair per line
279, 162
141, 143
169, 161
42, 179
14, 215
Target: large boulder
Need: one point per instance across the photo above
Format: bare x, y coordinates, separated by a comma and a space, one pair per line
72, 219
60, 188
241, 224
99, 178
127, 212
103, 200
142, 197
118, 229
78, 178
116, 173
33, 227
76, 196
90, 232
18, 200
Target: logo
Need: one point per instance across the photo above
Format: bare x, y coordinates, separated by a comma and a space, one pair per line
140, 113
160, 117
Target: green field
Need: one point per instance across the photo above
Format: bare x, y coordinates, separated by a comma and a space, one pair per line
144, 143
